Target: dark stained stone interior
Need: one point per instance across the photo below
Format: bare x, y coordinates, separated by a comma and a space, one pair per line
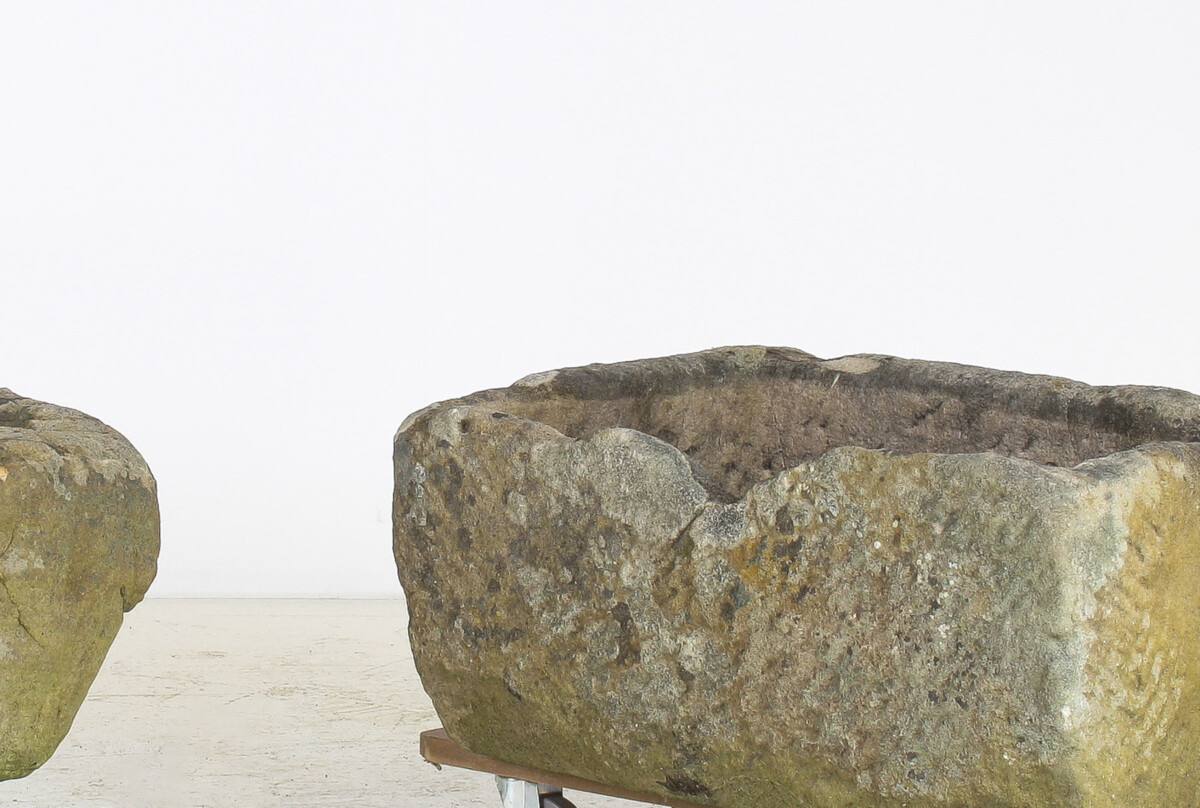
740, 422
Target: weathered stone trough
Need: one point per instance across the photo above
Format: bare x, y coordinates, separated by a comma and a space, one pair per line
79, 536
750, 577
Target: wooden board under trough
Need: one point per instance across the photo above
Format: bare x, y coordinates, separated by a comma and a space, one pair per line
439, 749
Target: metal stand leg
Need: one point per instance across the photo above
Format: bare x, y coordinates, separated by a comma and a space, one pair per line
524, 794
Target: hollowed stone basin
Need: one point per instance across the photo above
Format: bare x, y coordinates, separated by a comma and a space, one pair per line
749, 576
79, 536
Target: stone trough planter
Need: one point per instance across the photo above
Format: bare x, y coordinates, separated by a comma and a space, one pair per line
79, 534
751, 577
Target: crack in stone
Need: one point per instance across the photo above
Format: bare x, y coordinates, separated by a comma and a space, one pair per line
4, 585
20, 617
679, 534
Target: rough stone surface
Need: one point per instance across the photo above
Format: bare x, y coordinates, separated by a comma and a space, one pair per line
752, 577
79, 536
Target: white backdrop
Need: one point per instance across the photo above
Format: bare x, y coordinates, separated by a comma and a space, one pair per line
253, 236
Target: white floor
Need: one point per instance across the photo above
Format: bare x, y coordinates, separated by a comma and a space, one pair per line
256, 703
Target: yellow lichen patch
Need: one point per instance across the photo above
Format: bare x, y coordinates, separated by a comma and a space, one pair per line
1142, 677
805, 521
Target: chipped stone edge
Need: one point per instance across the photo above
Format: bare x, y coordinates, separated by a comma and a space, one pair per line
82, 443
